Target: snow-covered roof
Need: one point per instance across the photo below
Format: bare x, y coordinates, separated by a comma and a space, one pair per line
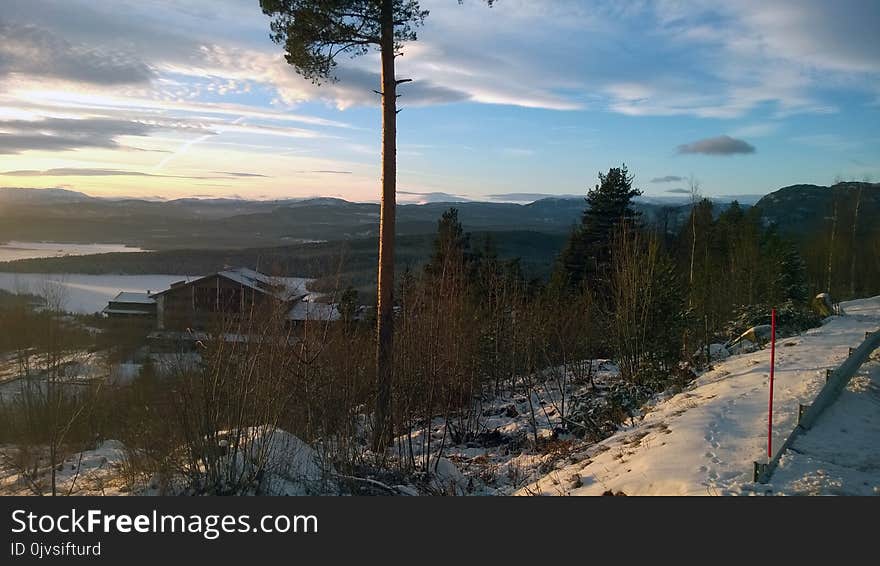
138, 298
312, 310
248, 278
285, 288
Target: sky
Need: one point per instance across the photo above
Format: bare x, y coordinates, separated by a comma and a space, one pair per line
191, 98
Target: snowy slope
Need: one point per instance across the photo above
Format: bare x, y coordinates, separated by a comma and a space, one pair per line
704, 440
840, 454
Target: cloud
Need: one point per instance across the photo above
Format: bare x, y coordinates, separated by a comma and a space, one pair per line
715, 58
721, 145
61, 134
331, 172
354, 83
709, 58
75, 172
529, 197
756, 130
89, 172
831, 142
239, 174
39, 52
679, 191
413, 197
667, 179
811, 31
443, 65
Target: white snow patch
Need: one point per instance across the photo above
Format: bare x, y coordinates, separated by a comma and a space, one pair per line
840, 454
704, 440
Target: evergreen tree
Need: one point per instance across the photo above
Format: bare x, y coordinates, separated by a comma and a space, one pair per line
588, 251
348, 305
451, 246
669, 315
785, 270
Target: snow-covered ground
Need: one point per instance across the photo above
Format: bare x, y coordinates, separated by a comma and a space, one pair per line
704, 440
93, 472
273, 461
78, 370
840, 454
15, 250
501, 455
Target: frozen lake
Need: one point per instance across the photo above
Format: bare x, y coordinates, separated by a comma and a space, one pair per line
15, 250
90, 293
85, 293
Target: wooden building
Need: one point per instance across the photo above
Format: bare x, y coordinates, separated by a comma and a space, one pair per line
202, 303
128, 306
199, 303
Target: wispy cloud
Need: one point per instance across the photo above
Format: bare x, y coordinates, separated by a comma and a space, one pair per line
239, 174
831, 142
89, 172
38, 52
61, 134
756, 130
414, 197
530, 197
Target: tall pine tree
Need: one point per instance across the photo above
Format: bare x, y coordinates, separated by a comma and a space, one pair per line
587, 254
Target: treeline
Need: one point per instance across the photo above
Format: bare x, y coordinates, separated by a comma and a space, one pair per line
843, 256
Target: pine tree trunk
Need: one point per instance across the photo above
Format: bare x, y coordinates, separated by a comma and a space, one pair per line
384, 305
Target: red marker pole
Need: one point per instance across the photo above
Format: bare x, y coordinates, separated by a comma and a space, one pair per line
772, 364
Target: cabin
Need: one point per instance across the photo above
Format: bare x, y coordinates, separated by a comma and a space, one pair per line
200, 303
177, 318
131, 306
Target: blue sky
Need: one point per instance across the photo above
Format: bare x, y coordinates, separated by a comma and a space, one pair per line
191, 98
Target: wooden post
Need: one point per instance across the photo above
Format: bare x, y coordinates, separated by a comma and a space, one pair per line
801, 410
772, 364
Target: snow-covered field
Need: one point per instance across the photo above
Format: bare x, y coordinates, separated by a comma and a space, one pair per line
288, 467
704, 440
840, 454
15, 250
90, 293
93, 472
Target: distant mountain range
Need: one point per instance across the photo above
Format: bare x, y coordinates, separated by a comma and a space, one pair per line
10, 195
69, 216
